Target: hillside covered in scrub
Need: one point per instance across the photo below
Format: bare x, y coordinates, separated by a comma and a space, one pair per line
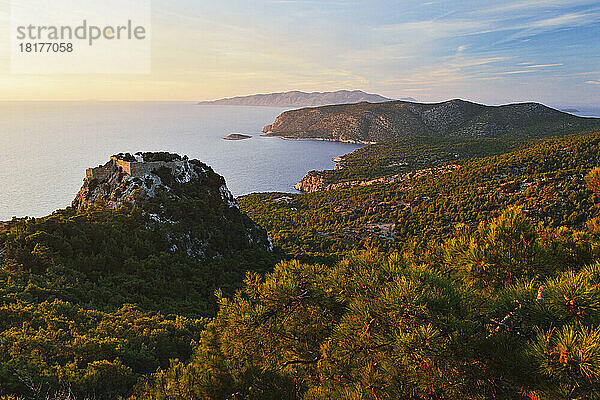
373, 123
477, 279
96, 296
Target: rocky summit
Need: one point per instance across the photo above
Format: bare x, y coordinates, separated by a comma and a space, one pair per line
127, 178
186, 197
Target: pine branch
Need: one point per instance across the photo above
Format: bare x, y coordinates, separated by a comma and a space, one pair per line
503, 323
302, 362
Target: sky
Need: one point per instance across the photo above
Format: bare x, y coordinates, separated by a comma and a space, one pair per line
486, 51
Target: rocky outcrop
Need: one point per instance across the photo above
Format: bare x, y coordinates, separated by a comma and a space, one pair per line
315, 182
301, 99
122, 181
368, 123
312, 182
185, 199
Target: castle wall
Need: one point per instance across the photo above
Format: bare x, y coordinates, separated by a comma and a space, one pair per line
139, 169
135, 169
99, 173
143, 168
125, 166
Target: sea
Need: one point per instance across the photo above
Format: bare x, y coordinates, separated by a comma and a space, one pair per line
583, 111
45, 147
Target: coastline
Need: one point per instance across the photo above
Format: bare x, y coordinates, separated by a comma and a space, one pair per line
362, 142
43, 187
336, 160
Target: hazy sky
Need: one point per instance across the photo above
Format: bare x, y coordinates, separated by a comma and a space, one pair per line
488, 51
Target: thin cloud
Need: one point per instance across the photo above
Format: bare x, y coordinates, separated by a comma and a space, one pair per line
543, 65
568, 19
519, 6
434, 28
474, 62
523, 71
534, 28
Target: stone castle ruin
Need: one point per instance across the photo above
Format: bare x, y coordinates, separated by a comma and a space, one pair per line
135, 166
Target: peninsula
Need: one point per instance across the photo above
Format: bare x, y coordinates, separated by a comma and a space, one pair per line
374, 123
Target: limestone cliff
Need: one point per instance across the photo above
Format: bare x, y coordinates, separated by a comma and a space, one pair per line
127, 179
184, 198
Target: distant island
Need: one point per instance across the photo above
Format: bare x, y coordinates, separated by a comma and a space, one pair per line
237, 136
373, 123
302, 99
570, 110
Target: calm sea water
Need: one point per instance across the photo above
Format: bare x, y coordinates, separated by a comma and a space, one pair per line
587, 111
45, 147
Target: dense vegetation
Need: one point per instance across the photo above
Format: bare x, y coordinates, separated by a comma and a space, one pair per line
507, 311
546, 178
103, 259
65, 286
94, 299
479, 283
404, 155
56, 349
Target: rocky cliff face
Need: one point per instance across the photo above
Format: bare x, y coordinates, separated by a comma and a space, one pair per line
368, 123
183, 198
315, 182
110, 185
